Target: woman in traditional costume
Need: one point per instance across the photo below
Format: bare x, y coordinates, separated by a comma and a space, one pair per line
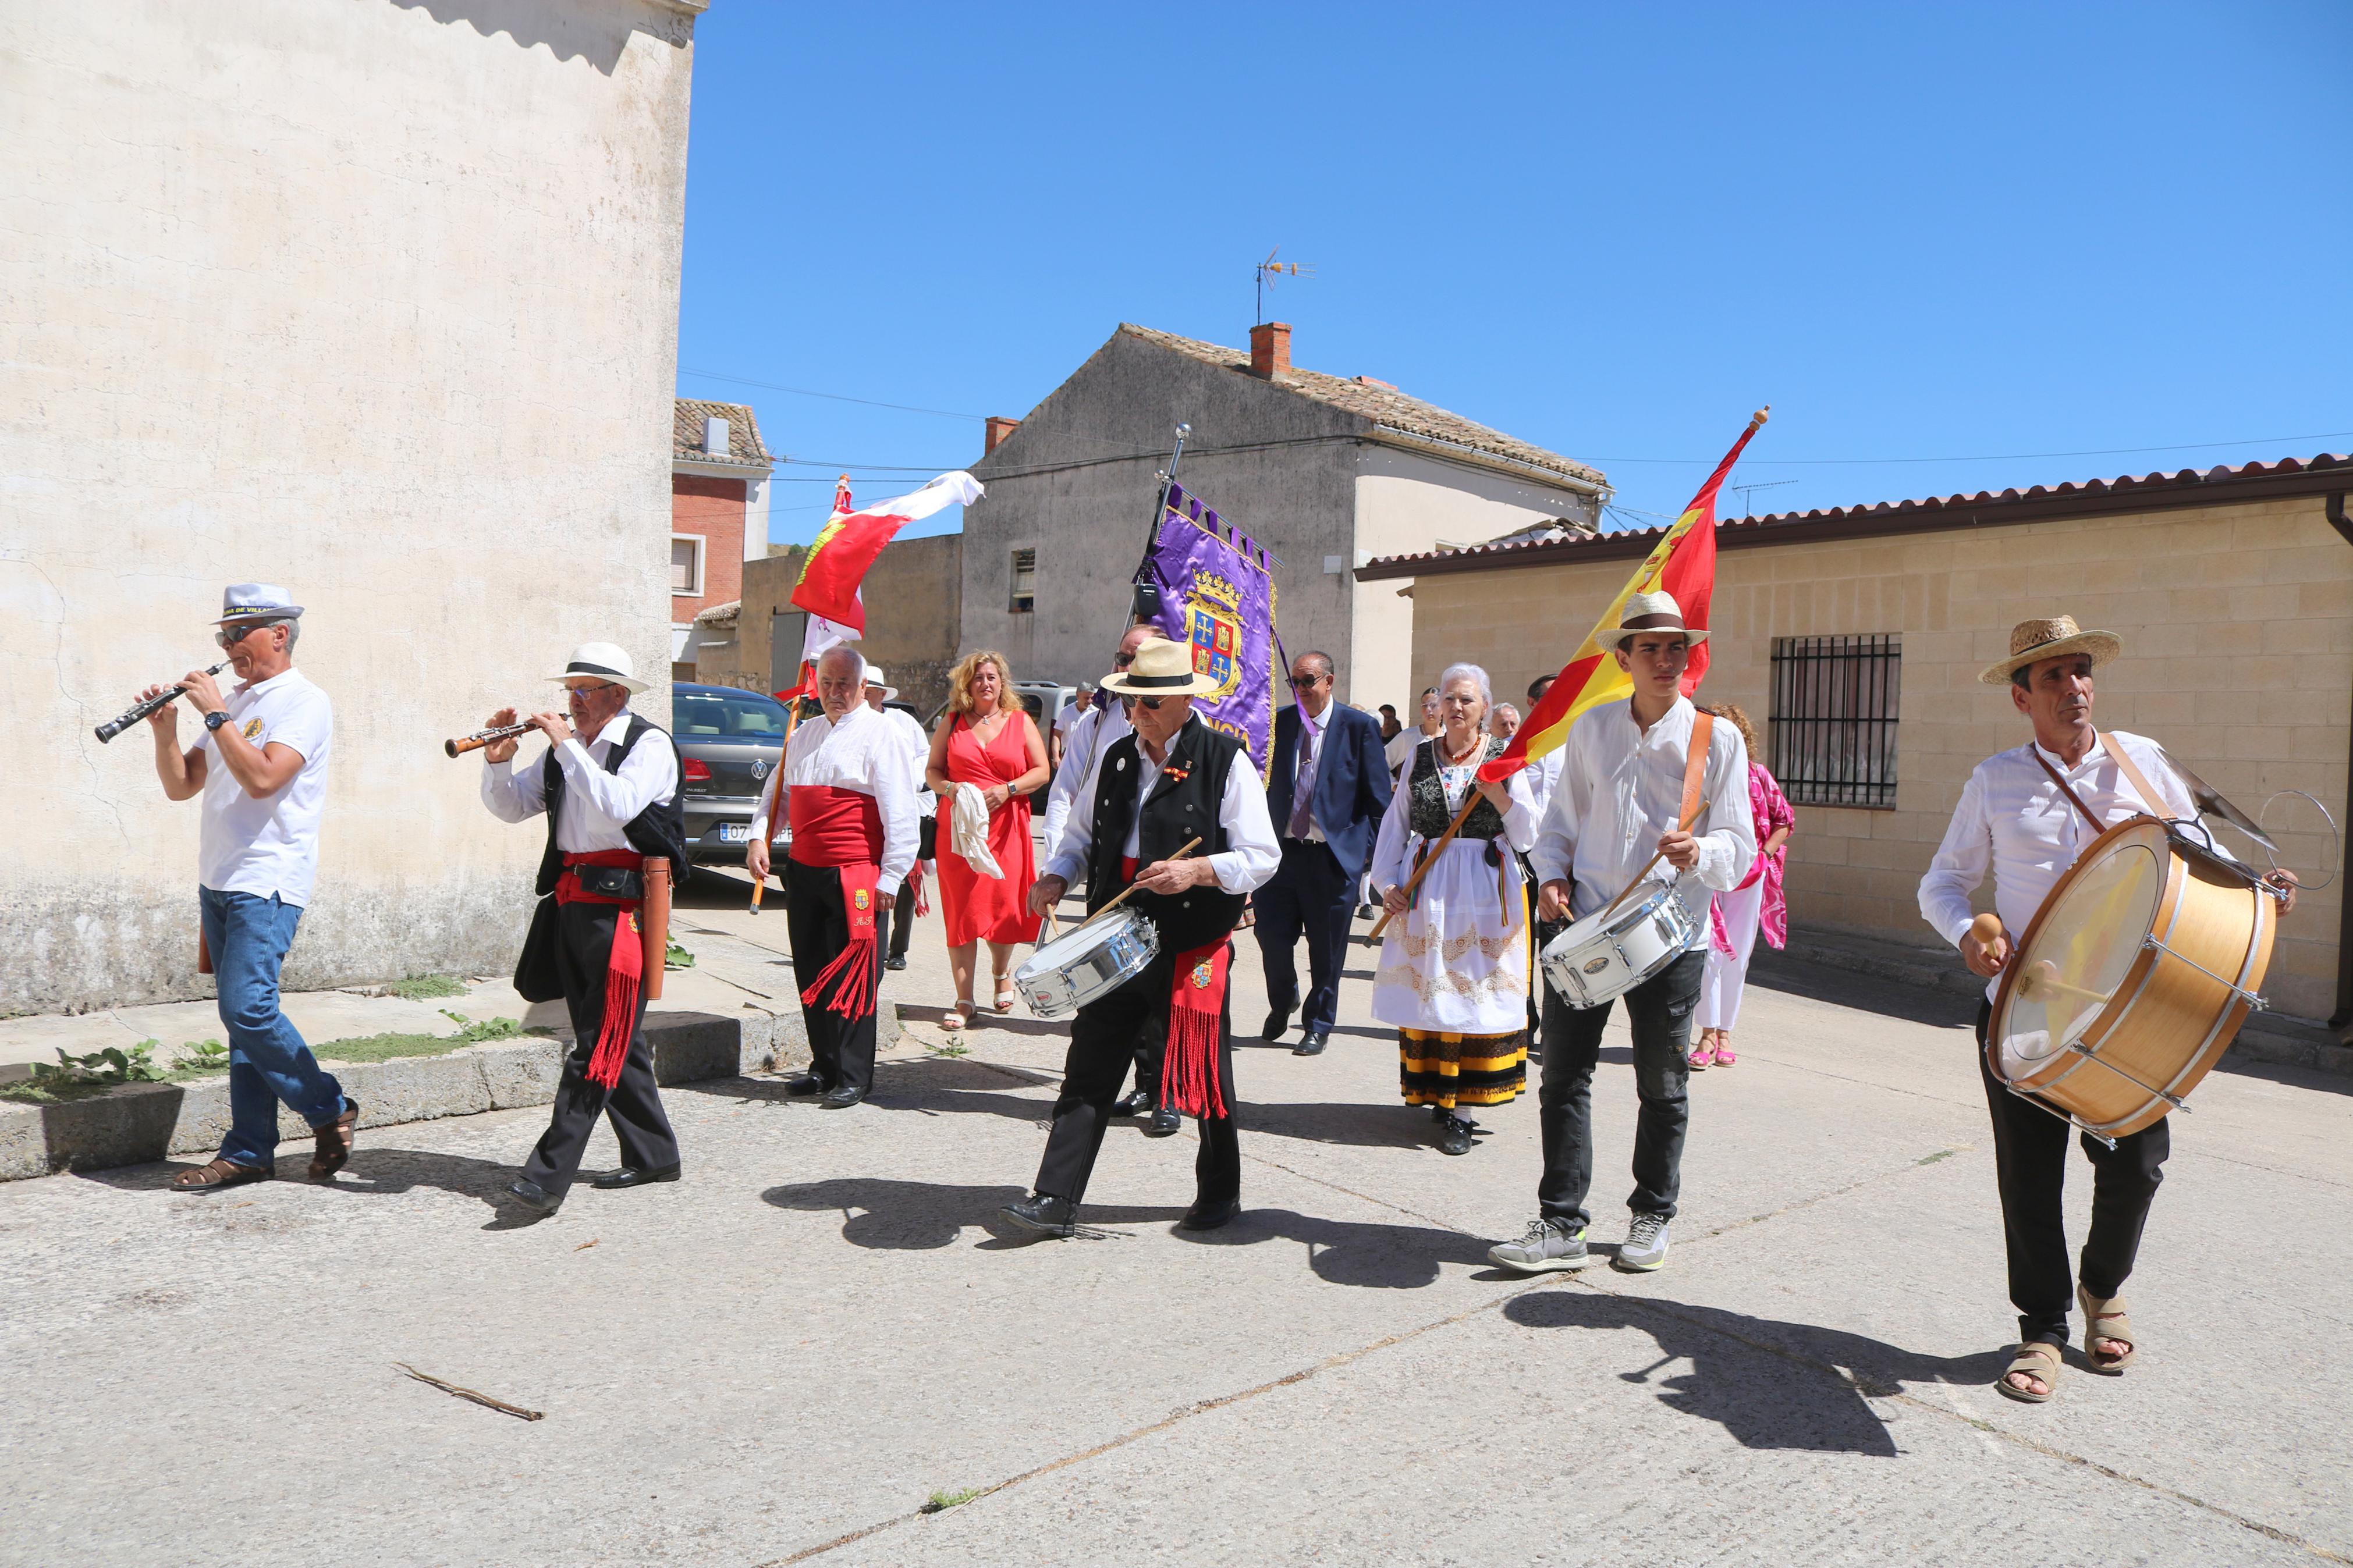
1453, 971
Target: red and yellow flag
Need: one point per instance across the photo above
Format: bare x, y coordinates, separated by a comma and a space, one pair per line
1682, 564
847, 544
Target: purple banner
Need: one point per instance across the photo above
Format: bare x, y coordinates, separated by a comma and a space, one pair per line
1218, 595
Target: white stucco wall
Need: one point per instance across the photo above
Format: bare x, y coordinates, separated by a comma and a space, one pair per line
1406, 503
374, 298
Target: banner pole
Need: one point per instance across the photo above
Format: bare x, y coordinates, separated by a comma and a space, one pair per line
1143, 603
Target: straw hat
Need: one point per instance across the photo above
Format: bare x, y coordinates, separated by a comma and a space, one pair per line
874, 677
1161, 668
1650, 613
2053, 639
606, 661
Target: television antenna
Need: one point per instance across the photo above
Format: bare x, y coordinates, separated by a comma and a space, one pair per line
1270, 270
1741, 492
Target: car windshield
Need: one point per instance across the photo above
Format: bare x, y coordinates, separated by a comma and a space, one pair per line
733, 716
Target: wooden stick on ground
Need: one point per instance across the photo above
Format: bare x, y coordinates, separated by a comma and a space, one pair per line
482, 1399
1656, 855
1190, 847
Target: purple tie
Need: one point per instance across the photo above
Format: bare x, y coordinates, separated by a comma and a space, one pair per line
1302, 791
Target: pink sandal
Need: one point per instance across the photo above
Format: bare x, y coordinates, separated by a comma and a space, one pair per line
1724, 1056
1703, 1057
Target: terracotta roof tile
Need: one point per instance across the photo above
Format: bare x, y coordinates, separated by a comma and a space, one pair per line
743, 443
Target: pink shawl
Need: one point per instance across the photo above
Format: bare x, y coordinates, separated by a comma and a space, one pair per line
1770, 809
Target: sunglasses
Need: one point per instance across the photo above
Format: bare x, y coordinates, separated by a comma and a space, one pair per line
227, 638
1121, 661
1152, 702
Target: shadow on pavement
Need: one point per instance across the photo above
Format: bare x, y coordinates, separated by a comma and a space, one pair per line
375, 1170
899, 1216
1769, 1384
1367, 1255
1845, 988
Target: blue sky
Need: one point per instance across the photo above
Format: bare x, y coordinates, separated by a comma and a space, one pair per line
2012, 238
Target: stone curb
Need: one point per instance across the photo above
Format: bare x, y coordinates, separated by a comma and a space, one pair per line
140, 1122
2277, 1037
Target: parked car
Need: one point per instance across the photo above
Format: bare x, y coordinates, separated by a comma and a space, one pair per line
728, 743
1045, 699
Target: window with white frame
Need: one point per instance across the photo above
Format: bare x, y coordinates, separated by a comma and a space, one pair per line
686, 564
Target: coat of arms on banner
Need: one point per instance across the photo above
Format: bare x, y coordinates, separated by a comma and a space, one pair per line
1213, 620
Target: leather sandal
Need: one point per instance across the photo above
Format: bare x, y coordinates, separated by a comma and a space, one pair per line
1005, 996
333, 1143
219, 1173
2106, 1320
956, 1018
2037, 1358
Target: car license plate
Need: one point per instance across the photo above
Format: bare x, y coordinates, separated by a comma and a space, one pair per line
734, 832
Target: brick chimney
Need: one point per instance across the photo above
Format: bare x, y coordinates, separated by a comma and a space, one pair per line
999, 427
1271, 349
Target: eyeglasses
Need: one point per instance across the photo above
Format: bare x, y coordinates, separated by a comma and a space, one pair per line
1311, 681
228, 638
586, 690
1152, 702
1121, 661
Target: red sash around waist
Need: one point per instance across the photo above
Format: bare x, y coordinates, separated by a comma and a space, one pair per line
834, 826
625, 963
568, 890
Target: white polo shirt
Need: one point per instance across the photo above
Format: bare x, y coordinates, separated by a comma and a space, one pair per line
271, 845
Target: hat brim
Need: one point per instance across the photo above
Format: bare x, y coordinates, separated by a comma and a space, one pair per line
627, 682
1199, 686
241, 618
1616, 637
2101, 646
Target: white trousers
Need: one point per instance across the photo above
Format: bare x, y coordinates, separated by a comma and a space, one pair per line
1719, 991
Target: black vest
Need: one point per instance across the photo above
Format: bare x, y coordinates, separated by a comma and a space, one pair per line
1180, 808
1426, 809
659, 829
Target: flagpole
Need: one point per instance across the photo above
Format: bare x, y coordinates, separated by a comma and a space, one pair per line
1143, 603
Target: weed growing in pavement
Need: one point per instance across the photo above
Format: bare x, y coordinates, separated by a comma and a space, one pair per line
940, 1502
949, 1051
386, 1048
424, 987
202, 1056
74, 1077
677, 957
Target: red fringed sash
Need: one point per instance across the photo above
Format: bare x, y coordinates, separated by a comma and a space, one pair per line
625, 967
1197, 1008
852, 972
834, 826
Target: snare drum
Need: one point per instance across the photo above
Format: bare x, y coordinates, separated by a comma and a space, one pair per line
1086, 962
1601, 957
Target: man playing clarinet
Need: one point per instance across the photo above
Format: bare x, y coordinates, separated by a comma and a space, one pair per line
608, 783
850, 802
1150, 792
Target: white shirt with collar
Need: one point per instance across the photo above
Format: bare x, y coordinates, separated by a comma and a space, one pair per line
1544, 776
2013, 821
597, 805
1310, 747
269, 846
919, 756
1250, 857
1621, 791
862, 752
1096, 727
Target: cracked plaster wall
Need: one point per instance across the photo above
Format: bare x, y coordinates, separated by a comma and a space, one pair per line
376, 300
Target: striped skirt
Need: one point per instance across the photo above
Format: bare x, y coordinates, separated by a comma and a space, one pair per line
1447, 1070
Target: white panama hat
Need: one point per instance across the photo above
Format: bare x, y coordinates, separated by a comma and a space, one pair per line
874, 677
606, 661
1650, 613
1160, 669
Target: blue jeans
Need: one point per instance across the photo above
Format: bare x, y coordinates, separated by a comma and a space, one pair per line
268, 1061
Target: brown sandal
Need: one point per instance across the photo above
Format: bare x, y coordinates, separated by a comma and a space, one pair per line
2037, 1358
219, 1173
2106, 1320
333, 1143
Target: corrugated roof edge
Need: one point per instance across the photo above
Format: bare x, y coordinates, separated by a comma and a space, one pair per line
2216, 485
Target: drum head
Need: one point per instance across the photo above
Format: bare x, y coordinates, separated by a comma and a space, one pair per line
2083, 944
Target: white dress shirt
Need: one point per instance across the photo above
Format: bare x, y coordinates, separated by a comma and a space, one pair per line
1096, 727
1621, 791
1544, 776
2013, 821
1249, 857
1311, 751
919, 756
597, 805
271, 845
863, 753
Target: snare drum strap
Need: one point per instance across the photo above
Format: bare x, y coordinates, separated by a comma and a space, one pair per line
1695, 765
2151, 801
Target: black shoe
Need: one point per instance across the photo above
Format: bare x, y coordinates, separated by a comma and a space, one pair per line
631, 1177
1135, 1104
1207, 1215
1454, 1136
804, 1083
1313, 1046
1055, 1217
1276, 1022
1165, 1121
1364, 911
530, 1195
842, 1098
896, 961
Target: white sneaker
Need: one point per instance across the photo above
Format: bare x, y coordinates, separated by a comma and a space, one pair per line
1550, 1244
1646, 1244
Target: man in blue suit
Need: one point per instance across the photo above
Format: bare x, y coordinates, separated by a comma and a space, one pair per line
1328, 791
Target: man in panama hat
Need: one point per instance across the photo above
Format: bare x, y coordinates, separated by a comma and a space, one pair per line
2024, 817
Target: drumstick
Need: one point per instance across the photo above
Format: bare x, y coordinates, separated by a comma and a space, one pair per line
1124, 892
2044, 976
1656, 856
1986, 928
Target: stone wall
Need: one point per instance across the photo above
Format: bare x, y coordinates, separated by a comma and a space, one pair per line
2238, 628
377, 301
912, 592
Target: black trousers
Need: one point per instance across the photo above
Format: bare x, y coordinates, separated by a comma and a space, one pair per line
1659, 1012
841, 1050
1309, 895
902, 918
1103, 1040
584, 946
2029, 1161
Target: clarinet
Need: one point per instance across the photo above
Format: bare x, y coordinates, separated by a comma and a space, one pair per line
114, 727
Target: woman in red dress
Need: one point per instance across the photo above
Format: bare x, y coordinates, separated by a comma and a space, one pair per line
987, 742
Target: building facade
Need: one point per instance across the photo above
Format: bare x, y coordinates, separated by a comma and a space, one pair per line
1854, 638
1326, 471
718, 473
378, 301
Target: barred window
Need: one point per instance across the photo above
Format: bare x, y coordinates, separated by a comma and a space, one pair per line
1834, 711
1025, 581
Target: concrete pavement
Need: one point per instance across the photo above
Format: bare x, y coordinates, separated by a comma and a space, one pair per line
782, 1357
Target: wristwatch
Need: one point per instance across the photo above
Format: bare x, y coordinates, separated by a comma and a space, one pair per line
215, 719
